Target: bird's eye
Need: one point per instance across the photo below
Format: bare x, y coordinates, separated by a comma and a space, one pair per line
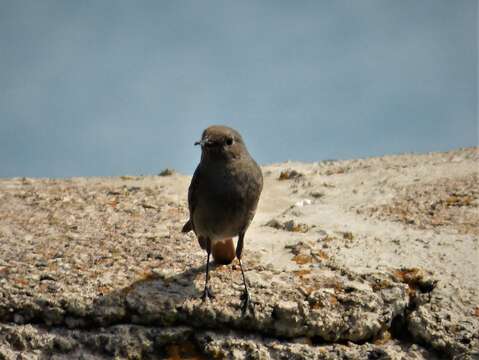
229, 141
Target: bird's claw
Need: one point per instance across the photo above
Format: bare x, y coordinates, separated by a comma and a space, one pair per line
246, 303
207, 294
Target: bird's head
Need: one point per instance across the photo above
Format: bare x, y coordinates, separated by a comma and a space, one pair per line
221, 142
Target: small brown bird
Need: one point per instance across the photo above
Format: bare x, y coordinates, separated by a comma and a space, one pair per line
222, 198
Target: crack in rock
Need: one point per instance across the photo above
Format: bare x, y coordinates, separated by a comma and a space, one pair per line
140, 342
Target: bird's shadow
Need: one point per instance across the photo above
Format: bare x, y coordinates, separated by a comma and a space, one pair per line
153, 299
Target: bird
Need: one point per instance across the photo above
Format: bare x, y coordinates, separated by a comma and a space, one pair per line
222, 200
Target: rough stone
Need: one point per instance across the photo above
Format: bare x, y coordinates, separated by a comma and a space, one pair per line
98, 268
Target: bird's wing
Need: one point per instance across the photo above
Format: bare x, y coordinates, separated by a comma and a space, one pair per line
254, 189
192, 200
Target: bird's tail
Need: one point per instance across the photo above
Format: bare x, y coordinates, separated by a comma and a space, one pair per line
187, 227
223, 251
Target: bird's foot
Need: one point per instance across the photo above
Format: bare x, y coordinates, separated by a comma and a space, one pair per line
246, 303
207, 294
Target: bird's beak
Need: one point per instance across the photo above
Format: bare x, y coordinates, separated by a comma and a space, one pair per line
202, 142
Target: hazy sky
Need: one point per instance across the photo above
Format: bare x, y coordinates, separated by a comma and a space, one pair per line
125, 87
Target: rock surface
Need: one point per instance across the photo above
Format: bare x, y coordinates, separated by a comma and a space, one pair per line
370, 258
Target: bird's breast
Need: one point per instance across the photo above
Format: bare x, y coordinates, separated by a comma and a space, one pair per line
225, 201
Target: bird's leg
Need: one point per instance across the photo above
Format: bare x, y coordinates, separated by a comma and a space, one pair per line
207, 293
246, 302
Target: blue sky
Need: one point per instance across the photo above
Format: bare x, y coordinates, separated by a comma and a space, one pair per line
121, 87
